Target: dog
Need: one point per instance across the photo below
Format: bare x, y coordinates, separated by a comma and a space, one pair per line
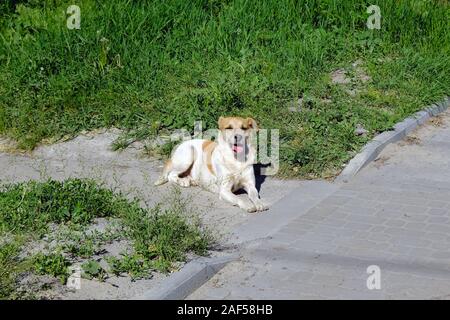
223, 166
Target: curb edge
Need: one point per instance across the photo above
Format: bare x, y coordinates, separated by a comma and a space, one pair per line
193, 275
374, 147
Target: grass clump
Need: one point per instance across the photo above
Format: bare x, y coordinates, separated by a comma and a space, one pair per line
78, 242
93, 270
32, 206
54, 264
60, 215
159, 237
162, 236
11, 266
135, 265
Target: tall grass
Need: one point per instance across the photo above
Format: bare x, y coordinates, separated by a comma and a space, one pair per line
166, 64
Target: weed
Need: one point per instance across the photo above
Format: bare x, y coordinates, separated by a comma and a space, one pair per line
93, 270
135, 265
164, 235
79, 242
54, 264
11, 266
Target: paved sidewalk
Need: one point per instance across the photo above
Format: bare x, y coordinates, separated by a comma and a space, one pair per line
395, 215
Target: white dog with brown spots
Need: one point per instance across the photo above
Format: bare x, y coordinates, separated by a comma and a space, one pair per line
223, 167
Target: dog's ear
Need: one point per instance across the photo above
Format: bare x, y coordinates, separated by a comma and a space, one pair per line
252, 124
221, 123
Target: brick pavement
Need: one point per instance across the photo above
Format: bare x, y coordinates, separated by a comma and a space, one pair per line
395, 215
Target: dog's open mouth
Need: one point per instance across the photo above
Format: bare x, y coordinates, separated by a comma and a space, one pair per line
237, 148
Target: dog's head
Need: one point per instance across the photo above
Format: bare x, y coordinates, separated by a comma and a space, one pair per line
236, 133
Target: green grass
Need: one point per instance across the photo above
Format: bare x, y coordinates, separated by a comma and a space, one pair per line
11, 266
155, 242
137, 266
61, 212
54, 264
92, 269
154, 66
32, 206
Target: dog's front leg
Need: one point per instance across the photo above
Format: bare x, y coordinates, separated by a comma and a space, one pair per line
254, 196
226, 194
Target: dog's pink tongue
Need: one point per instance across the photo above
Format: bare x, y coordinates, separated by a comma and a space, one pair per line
238, 149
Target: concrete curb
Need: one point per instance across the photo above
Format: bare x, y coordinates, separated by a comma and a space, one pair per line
193, 275
371, 150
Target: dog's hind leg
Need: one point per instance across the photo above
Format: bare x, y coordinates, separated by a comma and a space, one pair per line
163, 178
181, 166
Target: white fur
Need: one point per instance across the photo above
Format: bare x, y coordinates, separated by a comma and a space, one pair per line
229, 174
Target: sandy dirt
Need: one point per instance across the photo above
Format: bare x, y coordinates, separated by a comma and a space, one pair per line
401, 151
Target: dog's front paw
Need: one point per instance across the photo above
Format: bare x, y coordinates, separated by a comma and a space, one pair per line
260, 206
247, 206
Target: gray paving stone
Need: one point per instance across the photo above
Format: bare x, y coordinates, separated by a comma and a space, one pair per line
419, 218
437, 237
373, 220
437, 220
434, 227
336, 200
438, 212
357, 226
411, 209
415, 225
395, 223
378, 230
437, 204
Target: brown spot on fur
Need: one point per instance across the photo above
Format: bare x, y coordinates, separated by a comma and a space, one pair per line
237, 123
252, 124
208, 148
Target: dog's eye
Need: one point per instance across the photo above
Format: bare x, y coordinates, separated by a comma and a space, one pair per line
244, 128
229, 127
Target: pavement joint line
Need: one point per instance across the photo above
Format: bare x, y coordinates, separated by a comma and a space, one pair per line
374, 147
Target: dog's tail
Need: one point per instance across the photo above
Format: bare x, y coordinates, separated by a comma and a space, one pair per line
163, 178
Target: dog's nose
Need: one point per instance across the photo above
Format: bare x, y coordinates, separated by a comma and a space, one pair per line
237, 138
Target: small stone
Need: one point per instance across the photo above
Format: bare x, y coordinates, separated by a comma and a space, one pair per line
360, 131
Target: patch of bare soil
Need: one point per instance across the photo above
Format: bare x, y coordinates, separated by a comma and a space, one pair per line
410, 140
380, 161
419, 143
351, 78
437, 121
